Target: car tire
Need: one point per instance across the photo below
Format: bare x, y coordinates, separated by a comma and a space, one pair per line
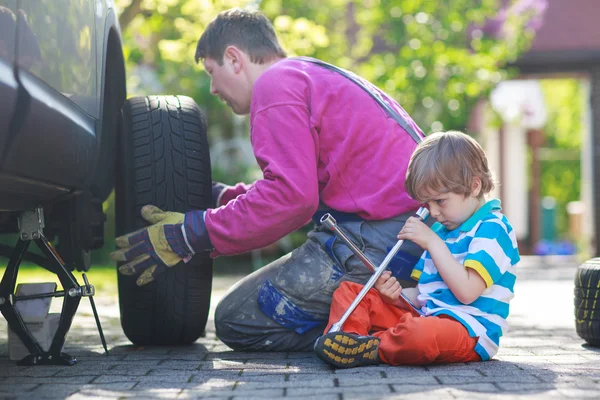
587, 301
164, 160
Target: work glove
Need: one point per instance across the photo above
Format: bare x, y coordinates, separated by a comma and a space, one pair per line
218, 189
172, 237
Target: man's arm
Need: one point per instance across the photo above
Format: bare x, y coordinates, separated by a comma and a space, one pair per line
286, 197
222, 193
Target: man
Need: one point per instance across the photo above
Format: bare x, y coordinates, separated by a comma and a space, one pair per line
324, 145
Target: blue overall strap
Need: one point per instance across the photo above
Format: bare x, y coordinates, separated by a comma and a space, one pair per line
369, 88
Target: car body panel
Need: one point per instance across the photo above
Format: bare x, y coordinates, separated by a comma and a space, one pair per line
56, 134
51, 98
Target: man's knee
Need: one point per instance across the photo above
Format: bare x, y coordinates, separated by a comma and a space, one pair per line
242, 327
226, 329
227, 333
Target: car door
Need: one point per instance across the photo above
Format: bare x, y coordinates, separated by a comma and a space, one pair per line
52, 137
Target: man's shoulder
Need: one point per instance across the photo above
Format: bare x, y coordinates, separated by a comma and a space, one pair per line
296, 70
286, 68
282, 81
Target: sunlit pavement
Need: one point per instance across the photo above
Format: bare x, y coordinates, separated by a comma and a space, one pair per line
541, 357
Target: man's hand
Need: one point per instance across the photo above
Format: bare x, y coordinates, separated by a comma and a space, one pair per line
218, 189
388, 287
170, 239
416, 230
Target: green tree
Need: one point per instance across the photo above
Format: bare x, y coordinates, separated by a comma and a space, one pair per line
433, 57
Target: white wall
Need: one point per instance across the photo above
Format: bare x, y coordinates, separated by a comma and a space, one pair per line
514, 178
490, 141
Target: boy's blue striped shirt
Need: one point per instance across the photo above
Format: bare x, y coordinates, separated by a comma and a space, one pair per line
486, 243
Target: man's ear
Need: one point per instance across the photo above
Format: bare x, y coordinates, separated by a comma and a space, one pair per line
233, 56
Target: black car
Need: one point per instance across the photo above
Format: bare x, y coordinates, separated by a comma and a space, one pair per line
68, 137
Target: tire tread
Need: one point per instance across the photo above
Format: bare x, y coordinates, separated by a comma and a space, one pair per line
159, 130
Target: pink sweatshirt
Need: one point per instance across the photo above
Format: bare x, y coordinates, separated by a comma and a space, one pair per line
319, 139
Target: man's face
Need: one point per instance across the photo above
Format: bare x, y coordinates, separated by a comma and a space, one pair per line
228, 85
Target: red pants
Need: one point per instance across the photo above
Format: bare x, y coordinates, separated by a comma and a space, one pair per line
406, 337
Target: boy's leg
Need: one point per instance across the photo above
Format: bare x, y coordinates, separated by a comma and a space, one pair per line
353, 346
285, 305
371, 314
424, 340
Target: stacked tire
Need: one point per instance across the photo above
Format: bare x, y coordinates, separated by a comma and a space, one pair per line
164, 161
587, 301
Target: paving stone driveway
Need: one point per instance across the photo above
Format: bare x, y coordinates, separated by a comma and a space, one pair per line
541, 357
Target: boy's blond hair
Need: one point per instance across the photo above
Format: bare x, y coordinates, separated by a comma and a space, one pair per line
447, 162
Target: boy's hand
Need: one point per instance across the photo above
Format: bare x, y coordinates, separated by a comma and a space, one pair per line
414, 229
388, 287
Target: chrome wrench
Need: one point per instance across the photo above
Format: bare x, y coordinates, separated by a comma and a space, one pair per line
329, 222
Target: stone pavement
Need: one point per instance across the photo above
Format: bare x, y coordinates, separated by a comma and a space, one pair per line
541, 357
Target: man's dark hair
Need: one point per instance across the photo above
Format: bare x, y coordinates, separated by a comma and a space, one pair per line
251, 31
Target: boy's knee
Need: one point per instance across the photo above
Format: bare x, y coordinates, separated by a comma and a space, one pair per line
421, 343
348, 288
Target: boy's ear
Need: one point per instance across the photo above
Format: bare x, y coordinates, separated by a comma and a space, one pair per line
476, 187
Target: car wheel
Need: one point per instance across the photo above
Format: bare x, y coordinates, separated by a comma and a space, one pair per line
164, 160
587, 301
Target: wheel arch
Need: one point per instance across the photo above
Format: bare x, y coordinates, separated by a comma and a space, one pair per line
113, 95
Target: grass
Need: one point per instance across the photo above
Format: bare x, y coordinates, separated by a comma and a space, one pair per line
104, 279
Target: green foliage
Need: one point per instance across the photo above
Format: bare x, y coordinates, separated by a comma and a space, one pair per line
431, 56
159, 46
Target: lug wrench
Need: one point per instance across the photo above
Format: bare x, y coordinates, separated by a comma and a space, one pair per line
329, 222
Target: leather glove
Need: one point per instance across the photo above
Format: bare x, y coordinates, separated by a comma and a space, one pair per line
218, 189
149, 251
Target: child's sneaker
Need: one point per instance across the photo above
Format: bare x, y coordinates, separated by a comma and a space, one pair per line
347, 350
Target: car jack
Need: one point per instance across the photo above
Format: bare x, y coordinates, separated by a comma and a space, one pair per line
31, 225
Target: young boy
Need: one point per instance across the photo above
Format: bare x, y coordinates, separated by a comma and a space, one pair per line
465, 277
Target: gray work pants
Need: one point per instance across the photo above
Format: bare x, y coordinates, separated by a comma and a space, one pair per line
284, 306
